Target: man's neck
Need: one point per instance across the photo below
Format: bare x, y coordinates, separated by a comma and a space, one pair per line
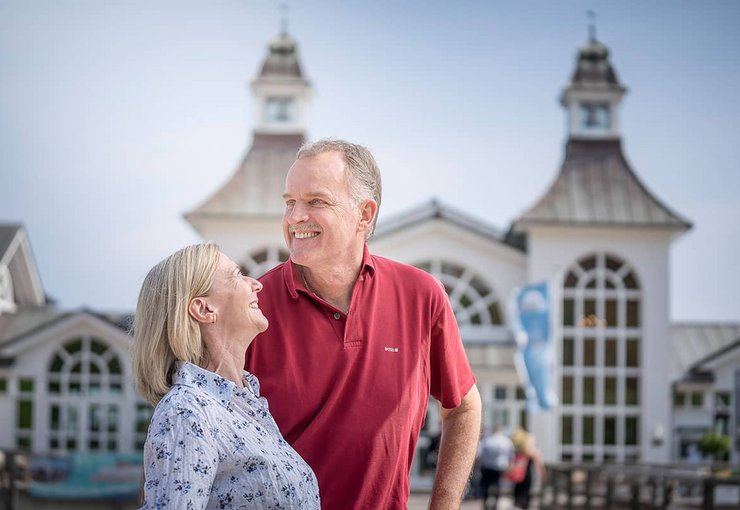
334, 285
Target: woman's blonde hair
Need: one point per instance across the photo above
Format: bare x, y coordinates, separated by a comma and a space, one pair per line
523, 441
164, 331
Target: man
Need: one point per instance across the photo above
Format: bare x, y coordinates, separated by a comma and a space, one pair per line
495, 454
357, 343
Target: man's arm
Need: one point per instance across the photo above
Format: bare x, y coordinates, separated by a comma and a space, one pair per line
460, 430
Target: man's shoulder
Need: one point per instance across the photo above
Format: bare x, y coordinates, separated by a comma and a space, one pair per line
386, 265
276, 273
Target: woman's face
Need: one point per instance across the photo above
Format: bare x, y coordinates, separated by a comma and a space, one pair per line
233, 298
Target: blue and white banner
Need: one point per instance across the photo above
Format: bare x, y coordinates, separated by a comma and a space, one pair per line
535, 356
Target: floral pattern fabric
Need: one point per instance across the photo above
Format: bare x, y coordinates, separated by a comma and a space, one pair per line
214, 445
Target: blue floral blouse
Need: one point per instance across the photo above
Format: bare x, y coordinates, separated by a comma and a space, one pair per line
212, 444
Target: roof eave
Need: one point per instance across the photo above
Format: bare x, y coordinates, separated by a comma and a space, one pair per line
522, 225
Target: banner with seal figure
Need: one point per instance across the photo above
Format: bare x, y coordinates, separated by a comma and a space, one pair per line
535, 357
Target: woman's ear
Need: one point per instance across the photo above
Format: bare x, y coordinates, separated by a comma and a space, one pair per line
201, 311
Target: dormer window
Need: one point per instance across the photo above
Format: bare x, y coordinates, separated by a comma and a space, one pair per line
595, 116
279, 110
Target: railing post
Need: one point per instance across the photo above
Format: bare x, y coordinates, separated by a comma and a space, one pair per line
9, 475
588, 488
667, 493
708, 503
569, 486
653, 491
635, 503
549, 482
10, 460
609, 503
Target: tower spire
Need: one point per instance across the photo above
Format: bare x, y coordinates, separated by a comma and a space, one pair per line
283, 19
591, 25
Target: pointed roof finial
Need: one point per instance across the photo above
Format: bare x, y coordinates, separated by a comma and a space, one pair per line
591, 25
283, 18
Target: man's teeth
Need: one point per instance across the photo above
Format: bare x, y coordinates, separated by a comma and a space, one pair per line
254, 305
305, 235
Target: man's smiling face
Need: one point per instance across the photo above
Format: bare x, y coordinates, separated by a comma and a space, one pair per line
321, 221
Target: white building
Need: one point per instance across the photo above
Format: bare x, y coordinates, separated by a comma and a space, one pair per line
65, 377
597, 235
632, 385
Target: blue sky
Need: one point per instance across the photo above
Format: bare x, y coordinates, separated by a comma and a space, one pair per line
117, 117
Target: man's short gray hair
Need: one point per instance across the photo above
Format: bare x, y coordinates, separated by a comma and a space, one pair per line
363, 169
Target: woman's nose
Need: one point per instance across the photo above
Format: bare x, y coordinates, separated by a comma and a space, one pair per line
256, 285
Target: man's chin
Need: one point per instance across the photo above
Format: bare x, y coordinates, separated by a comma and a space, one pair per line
299, 258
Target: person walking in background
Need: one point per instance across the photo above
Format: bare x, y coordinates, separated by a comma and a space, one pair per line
495, 453
526, 465
211, 442
359, 344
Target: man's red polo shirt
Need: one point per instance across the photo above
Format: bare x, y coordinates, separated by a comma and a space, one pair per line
350, 392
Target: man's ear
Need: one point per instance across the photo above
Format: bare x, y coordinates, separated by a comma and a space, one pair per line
201, 311
367, 214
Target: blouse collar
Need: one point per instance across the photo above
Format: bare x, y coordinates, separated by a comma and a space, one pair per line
220, 388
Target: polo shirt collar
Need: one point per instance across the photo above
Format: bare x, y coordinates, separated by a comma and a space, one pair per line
294, 282
221, 389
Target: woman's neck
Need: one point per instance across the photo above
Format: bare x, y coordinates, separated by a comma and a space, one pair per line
224, 362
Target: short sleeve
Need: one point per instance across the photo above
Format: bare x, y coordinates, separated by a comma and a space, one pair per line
450, 373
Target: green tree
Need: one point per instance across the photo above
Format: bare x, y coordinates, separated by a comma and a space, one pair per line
715, 445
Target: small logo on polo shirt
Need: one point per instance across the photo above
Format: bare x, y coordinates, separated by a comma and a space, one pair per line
390, 349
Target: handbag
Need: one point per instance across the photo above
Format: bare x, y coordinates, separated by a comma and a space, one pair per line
517, 472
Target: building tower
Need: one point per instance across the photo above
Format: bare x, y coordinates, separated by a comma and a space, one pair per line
602, 240
244, 214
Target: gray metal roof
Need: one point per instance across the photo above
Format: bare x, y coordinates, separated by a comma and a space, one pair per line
593, 67
26, 320
696, 342
7, 234
256, 188
597, 187
434, 209
282, 60
27, 286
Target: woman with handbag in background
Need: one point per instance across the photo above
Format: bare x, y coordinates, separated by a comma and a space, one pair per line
527, 461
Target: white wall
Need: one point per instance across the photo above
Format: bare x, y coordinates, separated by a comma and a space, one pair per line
552, 250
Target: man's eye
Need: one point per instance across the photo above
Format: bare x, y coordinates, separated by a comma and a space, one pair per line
317, 201
289, 203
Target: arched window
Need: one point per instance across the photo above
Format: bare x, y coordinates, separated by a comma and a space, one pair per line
259, 262
84, 387
473, 300
601, 362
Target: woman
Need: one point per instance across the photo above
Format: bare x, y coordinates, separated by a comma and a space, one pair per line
212, 442
527, 459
